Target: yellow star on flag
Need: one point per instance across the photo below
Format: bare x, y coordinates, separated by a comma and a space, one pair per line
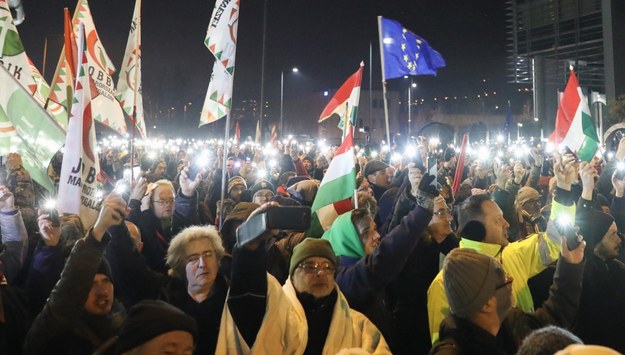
403, 46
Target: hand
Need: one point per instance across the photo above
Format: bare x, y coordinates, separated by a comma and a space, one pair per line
270, 233
620, 151
502, 174
519, 172
294, 155
565, 171
576, 255
112, 212
50, 235
538, 158
588, 173
187, 187
414, 176
7, 200
618, 184
13, 161
426, 193
138, 191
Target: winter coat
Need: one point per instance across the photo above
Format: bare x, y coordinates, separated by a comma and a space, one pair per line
364, 278
521, 260
460, 336
15, 241
155, 238
63, 326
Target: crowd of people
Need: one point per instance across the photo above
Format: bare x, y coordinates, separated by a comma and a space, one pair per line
522, 254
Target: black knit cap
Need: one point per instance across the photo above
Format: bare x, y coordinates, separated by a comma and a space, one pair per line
593, 225
105, 269
149, 319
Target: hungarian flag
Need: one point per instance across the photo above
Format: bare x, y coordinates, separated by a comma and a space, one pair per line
129, 83
237, 132
106, 108
574, 125
221, 40
79, 186
460, 166
334, 196
345, 102
257, 138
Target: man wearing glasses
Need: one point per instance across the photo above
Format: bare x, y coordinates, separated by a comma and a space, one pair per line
160, 214
308, 315
482, 319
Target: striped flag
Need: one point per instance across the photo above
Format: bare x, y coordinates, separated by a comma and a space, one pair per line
274, 134
221, 40
345, 102
78, 185
107, 109
334, 196
129, 83
258, 135
460, 166
574, 126
237, 132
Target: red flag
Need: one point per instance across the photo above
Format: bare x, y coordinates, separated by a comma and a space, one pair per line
459, 166
237, 132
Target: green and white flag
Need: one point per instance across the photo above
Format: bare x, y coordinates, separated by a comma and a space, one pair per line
335, 193
221, 40
129, 83
26, 128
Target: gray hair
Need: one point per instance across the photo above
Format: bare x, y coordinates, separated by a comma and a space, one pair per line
176, 252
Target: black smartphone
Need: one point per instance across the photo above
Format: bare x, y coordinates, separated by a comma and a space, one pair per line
568, 150
568, 231
194, 169
292, 218
53, 216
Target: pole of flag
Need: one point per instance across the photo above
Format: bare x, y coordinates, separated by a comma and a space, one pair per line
388, 130
134, 101
223, 168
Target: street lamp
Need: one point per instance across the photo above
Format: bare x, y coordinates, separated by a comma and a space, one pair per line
294, 70
412, 86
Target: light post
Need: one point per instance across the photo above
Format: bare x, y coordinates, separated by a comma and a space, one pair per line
294, 70
412, 86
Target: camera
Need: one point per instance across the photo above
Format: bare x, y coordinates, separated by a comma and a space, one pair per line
49, 208
566, 229
293, 218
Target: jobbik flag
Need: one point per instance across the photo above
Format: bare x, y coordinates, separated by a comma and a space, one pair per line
334, 196
129, 83
14, 58
26, 128
221, 40
78, 186
106, 109
574, 126
405, 53
345, 102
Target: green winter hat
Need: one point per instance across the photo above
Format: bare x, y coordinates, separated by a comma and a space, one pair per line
310, 247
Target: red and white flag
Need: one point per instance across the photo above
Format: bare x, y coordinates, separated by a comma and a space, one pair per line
79, 186
345, 102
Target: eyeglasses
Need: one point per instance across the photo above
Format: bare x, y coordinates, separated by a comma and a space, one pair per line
314, 268
165, 202
195, 258
443, 213
507, 281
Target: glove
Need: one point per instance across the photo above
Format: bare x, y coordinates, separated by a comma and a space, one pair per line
426, 192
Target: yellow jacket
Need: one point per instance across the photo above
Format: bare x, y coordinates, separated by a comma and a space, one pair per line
521, 260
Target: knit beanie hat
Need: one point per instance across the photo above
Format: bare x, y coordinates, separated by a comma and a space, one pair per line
470, 279
240, 213
105, 269
304, 191
262, 185
149, 319
234, 181
525, 194
593, 225
310, 247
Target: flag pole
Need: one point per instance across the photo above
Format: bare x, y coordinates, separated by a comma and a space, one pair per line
223, 169
388, 131
134, 101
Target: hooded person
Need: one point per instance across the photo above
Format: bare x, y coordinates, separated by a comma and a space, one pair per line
239, 214
529, 217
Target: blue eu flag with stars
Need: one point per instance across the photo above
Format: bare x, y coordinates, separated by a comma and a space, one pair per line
405, 53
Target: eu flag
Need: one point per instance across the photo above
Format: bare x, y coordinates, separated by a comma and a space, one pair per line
405, 53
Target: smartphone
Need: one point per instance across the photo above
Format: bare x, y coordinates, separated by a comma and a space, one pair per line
568, 150
568, 231
620, 170
194, 169
293, 218
53, 216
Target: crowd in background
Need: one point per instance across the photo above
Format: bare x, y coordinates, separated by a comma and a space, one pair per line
525, 256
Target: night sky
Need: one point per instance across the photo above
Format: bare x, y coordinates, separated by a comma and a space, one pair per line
325, 39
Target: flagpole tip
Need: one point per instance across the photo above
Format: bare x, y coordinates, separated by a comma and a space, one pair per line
362, 63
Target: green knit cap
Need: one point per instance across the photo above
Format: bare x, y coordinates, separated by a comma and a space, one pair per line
310, 247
